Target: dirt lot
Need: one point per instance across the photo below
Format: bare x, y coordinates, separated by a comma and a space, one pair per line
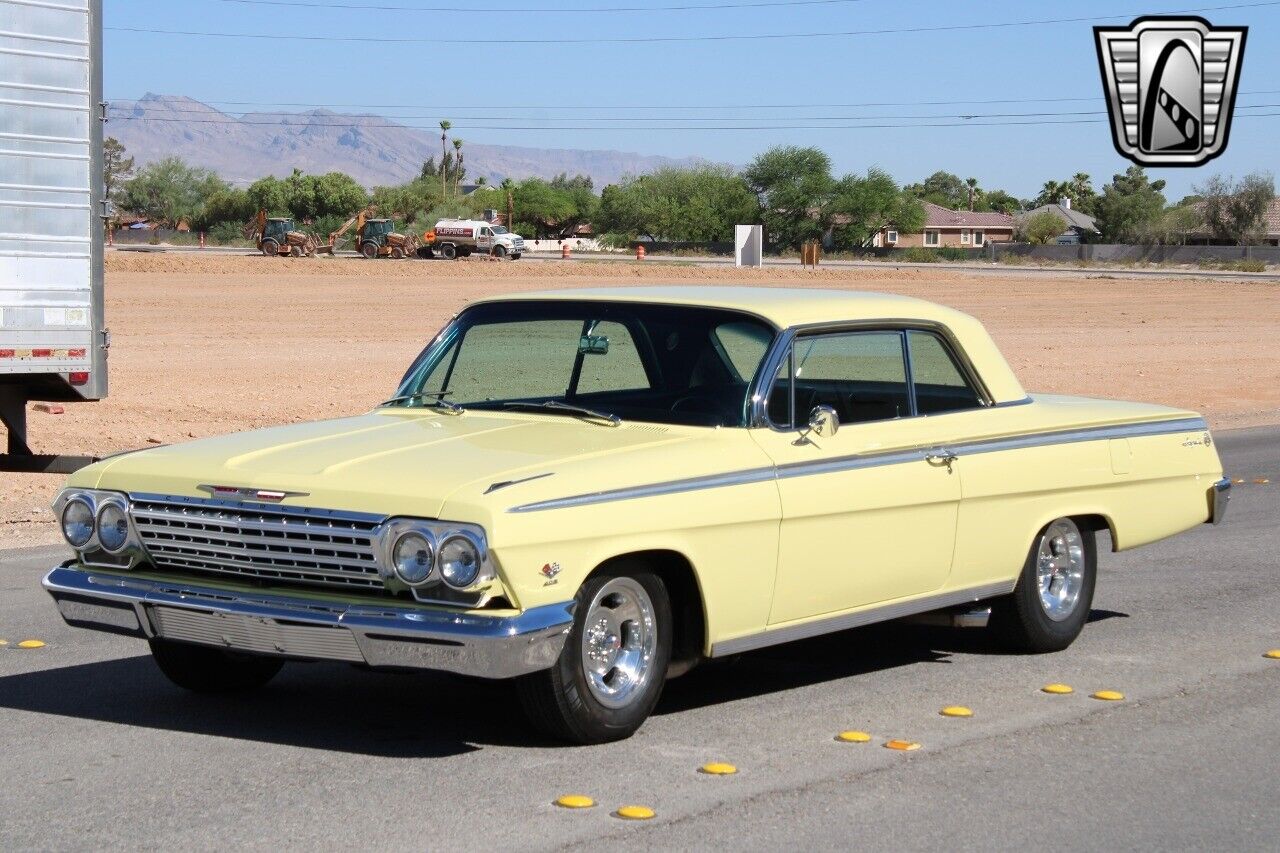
206, 345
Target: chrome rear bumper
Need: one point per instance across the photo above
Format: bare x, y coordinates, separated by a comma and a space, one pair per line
286, 626
1220, 495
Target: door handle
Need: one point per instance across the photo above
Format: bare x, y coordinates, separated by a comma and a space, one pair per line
941, 456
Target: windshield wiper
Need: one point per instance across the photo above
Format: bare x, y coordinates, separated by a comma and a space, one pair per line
557, 406
433, 398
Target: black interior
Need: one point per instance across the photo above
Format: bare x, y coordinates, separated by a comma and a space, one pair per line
862, 402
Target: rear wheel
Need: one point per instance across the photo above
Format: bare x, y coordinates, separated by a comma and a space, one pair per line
614, 663
1050, 604
369, 250
208, 670
448, 251
270, 247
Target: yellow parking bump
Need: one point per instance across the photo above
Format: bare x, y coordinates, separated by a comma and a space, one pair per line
1238, 481
1059, 689
956, 711
4, 642
853, 737
718, 768
1274, 654
903, 745
1261, 481
575, 801
634, 813
31, 644
1108, 695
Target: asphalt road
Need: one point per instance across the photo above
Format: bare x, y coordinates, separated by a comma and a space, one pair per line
98, 751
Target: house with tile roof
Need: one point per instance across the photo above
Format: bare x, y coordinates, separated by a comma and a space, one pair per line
1077, 227
1270, 227
965, 229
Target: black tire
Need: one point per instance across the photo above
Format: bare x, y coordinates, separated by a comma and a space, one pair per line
369, 249
203, 669
397, 253
448, 251
464, 251
499, 251
295, 251
1022, 621
515, 256
560, 702
270, 248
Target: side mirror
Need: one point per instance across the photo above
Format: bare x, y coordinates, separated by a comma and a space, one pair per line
824, 421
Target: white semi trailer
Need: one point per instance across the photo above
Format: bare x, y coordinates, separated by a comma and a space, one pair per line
53, 339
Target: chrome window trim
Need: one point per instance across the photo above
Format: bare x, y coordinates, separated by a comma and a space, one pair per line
763, 386
867, 460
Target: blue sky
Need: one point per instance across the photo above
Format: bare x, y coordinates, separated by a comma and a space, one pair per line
480, 79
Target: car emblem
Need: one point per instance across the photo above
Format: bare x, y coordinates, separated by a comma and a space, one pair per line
549, 571
241, 494
1171, 88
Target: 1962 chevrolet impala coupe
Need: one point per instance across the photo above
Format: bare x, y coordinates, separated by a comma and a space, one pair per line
589, 491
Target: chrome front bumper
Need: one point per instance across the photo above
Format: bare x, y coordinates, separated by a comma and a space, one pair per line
283, 626
1220, 495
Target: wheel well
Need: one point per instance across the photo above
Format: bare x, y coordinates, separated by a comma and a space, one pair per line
690, 628
1097, 523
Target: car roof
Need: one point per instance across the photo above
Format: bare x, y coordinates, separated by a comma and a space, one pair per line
782, 306
786, 307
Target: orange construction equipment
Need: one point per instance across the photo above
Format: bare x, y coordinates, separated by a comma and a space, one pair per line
376, 238
277, 236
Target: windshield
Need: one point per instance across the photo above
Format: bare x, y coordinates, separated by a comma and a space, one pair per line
657, 363
498, 229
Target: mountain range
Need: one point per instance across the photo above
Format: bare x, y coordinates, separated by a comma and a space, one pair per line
372, 149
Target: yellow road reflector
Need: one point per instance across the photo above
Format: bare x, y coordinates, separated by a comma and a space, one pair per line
4, 642
853, 737
1108, 695
1238, 480
635, 813
1261, 481
904, 745
1058, 688
1274, 654
956, 711
717, 768
31, 644
575, 801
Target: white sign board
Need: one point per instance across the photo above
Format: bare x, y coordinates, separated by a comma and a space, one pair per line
748, 245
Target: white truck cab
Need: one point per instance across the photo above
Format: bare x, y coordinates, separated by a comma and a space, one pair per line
460, 237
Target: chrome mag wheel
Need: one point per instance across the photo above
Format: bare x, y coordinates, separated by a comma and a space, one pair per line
1060, 569
619, 639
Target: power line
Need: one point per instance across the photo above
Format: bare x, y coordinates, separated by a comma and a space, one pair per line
687, 7
275, 36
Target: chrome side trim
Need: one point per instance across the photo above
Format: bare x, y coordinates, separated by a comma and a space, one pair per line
1221, 496
869, 616
376, 634
865, 460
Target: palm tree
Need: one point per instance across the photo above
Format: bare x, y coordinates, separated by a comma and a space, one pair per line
457, 166
974, 192
444, 152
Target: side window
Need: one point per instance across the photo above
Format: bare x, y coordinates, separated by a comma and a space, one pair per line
862, 375
618, 368
743, 345
940, 384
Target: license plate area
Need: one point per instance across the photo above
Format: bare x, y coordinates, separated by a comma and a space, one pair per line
258, 634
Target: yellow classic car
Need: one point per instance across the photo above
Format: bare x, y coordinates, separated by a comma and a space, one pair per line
589, 491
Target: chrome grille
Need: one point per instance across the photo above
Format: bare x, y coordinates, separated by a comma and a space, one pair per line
276, 544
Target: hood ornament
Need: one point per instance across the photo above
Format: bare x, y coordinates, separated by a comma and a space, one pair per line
237, 493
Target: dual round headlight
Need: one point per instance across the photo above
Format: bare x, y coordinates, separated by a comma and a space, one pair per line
87, 514
113, 527
77, 522
415, 557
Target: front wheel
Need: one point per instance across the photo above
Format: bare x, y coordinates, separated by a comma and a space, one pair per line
614, 663
203, 669
499, 252
1050, 605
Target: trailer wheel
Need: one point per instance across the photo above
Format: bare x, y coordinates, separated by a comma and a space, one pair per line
270, 247
448, 251
369, 249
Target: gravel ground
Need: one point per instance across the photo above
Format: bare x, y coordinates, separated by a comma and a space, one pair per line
208, 345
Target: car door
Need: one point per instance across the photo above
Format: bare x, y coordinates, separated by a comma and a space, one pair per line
485, 240
869, 512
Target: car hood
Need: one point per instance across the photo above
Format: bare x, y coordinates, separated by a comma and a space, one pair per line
393, 462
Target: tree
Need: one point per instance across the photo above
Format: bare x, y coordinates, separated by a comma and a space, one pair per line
1128, 205
545, 208
308, 197
999, 201
793, 186
1079, 189
974, 192
429, 169
862, 205
444, 153
169, 191
697, 204
229, 205
458, 171
116, 168
1236, 212
942, 188
1043, 227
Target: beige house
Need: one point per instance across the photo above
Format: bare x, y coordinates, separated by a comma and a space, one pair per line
964, 229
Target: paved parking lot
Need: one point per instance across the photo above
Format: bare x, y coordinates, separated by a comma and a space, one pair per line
100, 751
